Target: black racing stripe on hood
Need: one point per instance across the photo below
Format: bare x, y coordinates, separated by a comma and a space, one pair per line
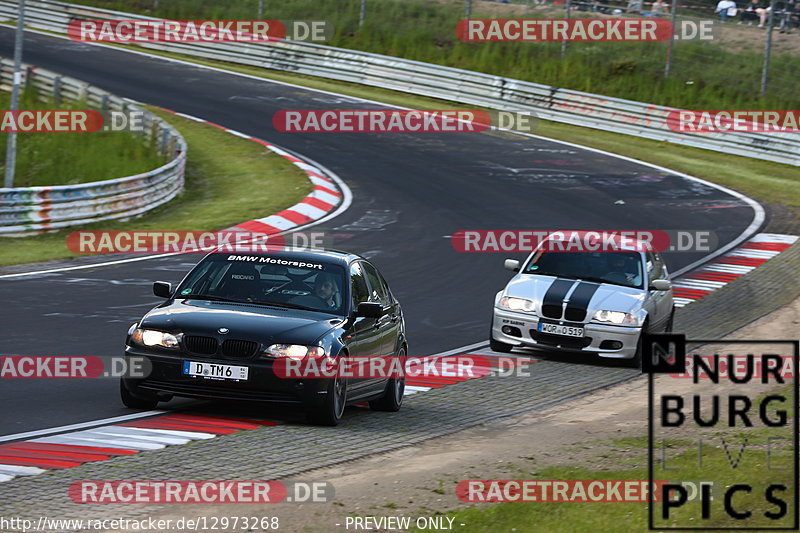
579, 301
554, 297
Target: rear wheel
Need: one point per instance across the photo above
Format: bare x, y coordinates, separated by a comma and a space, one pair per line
332, 408
392, 398
136, 401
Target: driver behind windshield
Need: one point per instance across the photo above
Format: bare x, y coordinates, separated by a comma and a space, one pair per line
324, 295
623, 269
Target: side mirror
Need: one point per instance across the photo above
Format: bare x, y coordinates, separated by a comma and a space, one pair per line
660, 285
512, 265
162, 289
369, 310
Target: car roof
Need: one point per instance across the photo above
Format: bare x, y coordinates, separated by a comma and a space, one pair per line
622, 243
301, 254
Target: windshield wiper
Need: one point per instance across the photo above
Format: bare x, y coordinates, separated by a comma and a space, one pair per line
582, 278
282, 304
601, 280
256, 302
211, 298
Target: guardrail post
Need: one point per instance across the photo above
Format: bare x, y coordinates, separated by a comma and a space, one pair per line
363, 14
104, 104
165, 135
57, 90
153, 131
171, 145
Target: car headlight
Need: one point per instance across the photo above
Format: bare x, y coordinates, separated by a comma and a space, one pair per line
517, 304
151, 337
616, 317
294, 351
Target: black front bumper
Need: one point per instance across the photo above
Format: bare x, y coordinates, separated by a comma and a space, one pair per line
166, 377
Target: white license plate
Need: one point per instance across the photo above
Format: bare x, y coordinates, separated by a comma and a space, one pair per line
558, 329
215, 371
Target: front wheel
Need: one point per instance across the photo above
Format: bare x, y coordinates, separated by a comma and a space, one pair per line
332, 408
392, 398
636, 361
670, 322
498, 346
136, 402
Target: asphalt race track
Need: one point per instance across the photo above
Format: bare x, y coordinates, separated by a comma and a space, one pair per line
410, 192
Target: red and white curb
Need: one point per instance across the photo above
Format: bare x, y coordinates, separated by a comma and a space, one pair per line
325, 198
68, 450
726, 268
485, 365
71, 449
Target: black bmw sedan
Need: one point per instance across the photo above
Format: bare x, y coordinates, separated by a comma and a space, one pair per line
223, 332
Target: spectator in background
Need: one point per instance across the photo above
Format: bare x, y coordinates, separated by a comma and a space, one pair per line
726, 8
658, 9
600, 6
754, 11
634, 6
788, 16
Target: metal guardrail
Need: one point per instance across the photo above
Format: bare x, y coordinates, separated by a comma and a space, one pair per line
29, 210
466, 87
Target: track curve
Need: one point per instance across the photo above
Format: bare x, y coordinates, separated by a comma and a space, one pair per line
409, 193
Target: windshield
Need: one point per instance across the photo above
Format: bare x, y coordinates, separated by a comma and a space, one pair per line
619, 268
267, 280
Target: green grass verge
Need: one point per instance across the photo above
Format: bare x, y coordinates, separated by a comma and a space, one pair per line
69, 158
705, 75
763, 180
228, 180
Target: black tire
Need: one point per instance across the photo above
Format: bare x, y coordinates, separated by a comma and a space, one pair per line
498, 346
636, 361
136, 401
671, 322
330, 412
392, 398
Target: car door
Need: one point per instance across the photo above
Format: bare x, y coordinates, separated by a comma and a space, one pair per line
384, 325
659, 305
389, 323
364, 338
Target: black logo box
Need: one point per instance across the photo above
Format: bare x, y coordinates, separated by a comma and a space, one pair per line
656, 352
